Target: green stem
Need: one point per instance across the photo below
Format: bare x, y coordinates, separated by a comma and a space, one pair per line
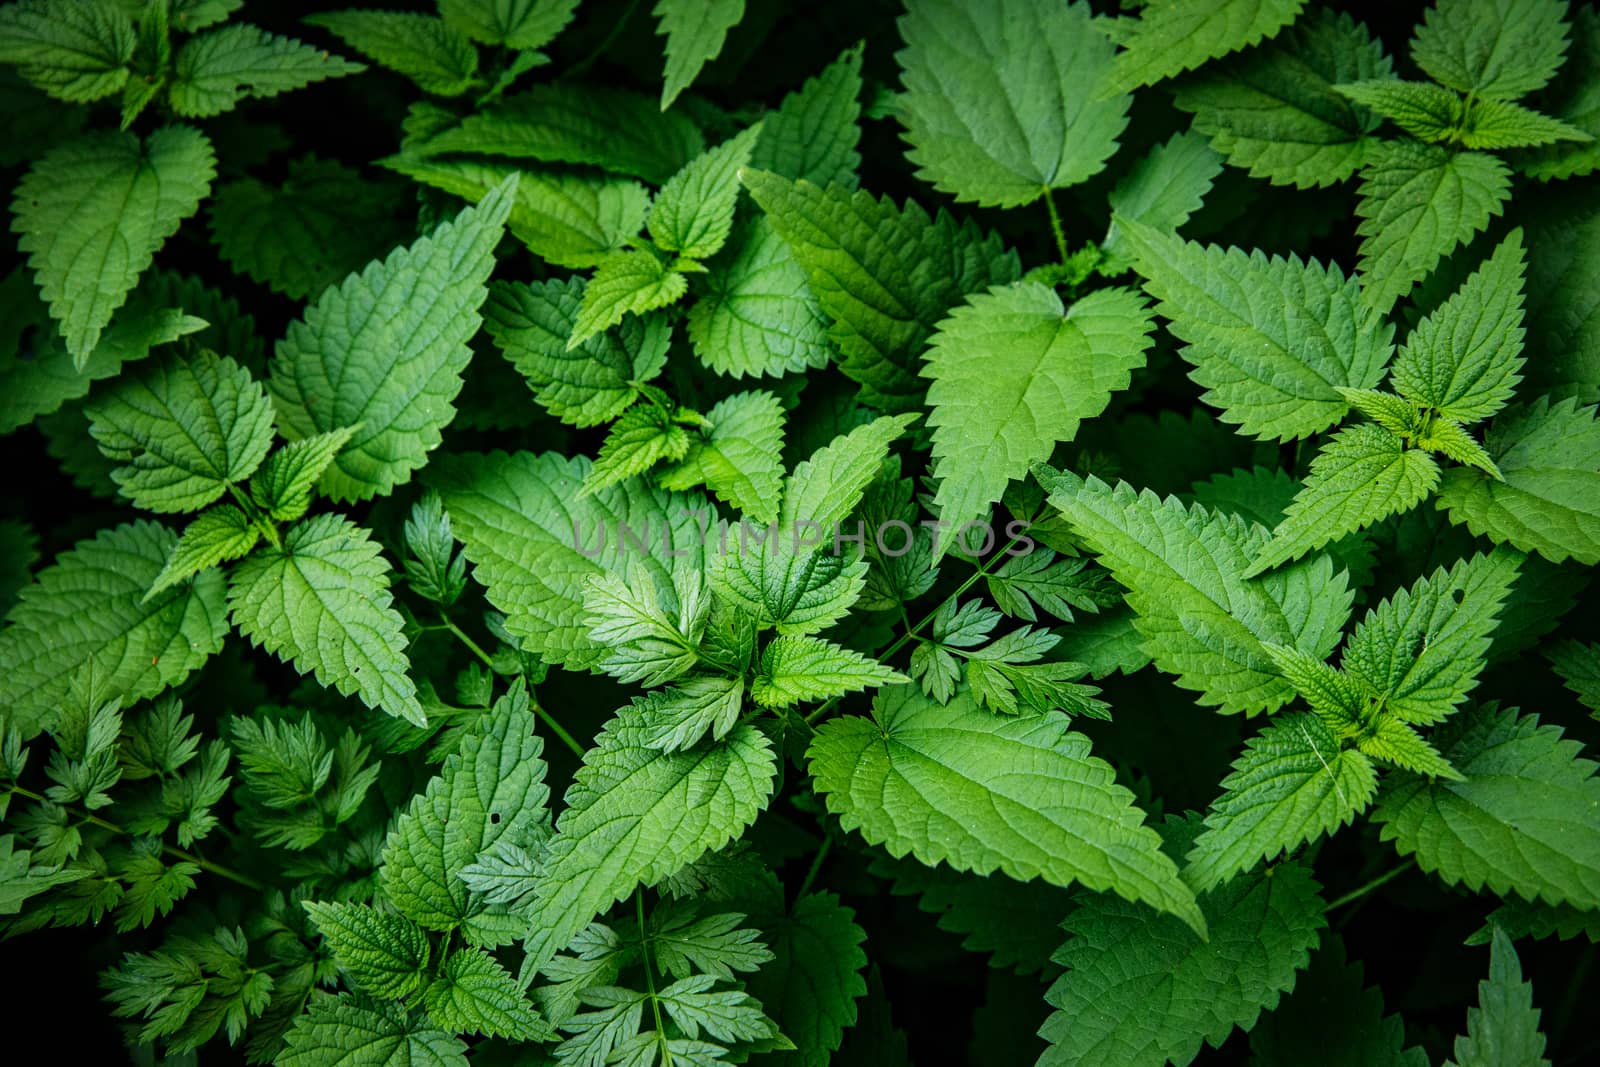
816, 866
557, 729
1362, 890
1055, 225
171, 850
650, 978
465, 640
577, 70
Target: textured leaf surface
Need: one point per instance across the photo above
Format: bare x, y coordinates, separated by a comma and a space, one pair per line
355, 1032
76, 50
383, 952
757, 315
1504, 1027
221, 534
693, 212
740, 458
814, 132
386, 349
958, 785
1498, 49
1172, 36
800, 668
513, 23
424, 48
216, 70
1163, 190
625, 283
695, 30
1333, 1020
812, 986
1004, 101
322, 602
474, 994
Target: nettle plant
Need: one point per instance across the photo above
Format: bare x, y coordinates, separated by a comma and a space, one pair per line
1099, 621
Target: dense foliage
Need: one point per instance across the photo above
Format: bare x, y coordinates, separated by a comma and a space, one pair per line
727, 531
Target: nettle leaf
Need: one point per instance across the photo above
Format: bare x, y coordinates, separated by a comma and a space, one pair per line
591, 384
184, 430
383, 953
883, 274
1418, 204
625, 283
1162, 190
693, 213
1500, 124
514, 23
677, 718
1504, 1027
1184, 569
1463, 359
75, 50
1574, 98
490, 790
386, 349
474, 994
1332, 1019
221, 534
1496, 49
997, 115
437, 57
1140, 989
92, 213
798, 668
645, 641
814, 132
1274, 111
1364, 473
85, 619
347, 1031
533, 543
1521, 818
1171, 36
1548, 497
1422, 109
1579, 668
811, 987
740, 457
282, 487
956, 784
695, 30
215, 71
643, 435
1014, 373
635, 815
321, 601
1272, 340
1292, 784
621, 131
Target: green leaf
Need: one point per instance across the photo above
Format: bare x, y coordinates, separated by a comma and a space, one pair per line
490, 790
1500, 124
1142, 990
645, 641
533, 543
571, 220
183, 430
1418, 203
216, 71
1463, 359
693, 213
795, 669
325, 221
1422, 109
1495, 49
1271, 340
679, 717
1273, 110
1548, 500
615, 129
92, 213
1574, 98
1578, 666
1015, 373
282, 487
883, 274
757, 316
1172, 36
221, 534
959, 785
998, 117
434, 570
75, 50
1364, 473
624, 283
591, 384
20, 878
1520, 820
1504, 1027
322, 603
812, 986
642, 436
1333, 1020
740, 458
828, 485
635, 815
347, 1031
1292, 784
814, 132
1162, 190
1421, 650
474, 994
425, 48
1184, 570
387, 349
514, 23
695, 30
85, 619
383, 953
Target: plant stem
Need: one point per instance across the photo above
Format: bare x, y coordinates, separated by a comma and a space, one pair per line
816, 866
650, 978
171, 850
578, 69
1362, 890
1055, 225
257, 519
469, 642
557, 729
